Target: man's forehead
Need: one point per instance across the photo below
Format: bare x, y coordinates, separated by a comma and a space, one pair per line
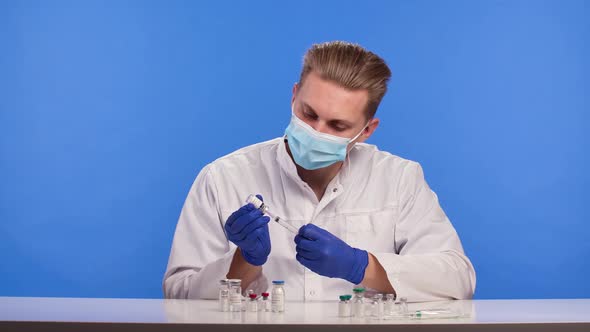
329, 100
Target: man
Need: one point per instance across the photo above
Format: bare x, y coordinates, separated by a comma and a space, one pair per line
364, 216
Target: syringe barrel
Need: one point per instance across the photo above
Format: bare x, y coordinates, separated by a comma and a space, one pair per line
288, 226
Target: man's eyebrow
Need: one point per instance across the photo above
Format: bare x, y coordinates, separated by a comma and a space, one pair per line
343, 122
306, 105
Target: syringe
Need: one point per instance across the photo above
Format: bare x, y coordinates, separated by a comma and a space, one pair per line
264, 209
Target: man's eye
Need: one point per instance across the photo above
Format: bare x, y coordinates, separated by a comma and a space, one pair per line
309, 116
339, 128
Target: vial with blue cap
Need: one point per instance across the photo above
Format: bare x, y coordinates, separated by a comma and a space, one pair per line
278, 296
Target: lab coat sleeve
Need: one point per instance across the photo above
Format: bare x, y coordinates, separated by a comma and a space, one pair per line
200, 254
429, 263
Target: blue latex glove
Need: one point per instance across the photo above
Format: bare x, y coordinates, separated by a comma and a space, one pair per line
248, 229
325, 254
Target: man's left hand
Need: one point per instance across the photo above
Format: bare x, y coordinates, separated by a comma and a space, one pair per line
327, 255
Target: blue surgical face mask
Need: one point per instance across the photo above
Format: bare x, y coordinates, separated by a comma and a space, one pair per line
312, 149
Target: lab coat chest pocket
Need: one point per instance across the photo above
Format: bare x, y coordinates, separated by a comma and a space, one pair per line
372, 231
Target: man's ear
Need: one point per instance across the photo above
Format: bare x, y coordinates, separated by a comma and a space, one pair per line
294, 92
369, 130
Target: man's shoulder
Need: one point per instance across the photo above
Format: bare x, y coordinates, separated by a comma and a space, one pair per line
387, 167
370, 153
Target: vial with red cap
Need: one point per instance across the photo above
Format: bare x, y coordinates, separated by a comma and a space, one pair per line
265, 304
253, 303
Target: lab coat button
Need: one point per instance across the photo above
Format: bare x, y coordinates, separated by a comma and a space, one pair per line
312, 292
335, 190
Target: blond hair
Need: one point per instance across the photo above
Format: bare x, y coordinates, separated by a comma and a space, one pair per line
350, 66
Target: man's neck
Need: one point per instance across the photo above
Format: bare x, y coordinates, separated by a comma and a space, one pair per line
317, 179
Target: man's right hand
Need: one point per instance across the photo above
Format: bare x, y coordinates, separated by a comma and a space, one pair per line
248, 229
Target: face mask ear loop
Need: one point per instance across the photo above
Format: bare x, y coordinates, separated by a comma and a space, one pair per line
348, 165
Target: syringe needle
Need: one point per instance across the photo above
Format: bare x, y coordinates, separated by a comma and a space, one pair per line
260, 205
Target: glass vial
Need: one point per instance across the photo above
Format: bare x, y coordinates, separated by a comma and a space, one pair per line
377, 306
235, 295
278, 296
358, 304
265, 302
388, 305
224, 295
252, 303
344, 307
403, 305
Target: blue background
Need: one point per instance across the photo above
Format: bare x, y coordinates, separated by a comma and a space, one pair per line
109, 109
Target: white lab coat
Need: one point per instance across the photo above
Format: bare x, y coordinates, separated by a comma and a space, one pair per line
378, 202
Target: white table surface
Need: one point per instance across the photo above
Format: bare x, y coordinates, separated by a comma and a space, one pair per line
27, 313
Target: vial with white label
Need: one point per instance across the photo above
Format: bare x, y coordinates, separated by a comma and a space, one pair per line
224, 295
235, 295
278, 296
